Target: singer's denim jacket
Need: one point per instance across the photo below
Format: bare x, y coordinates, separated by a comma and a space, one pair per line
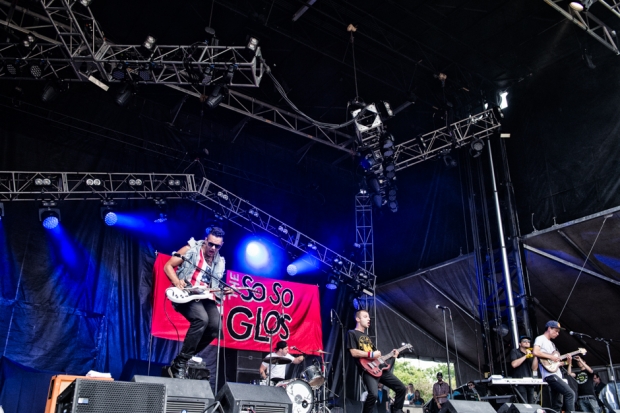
186, 269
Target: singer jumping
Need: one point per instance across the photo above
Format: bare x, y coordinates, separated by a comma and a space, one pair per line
361, 347
202, 315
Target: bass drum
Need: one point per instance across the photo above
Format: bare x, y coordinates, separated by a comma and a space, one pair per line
300, 394
313, 376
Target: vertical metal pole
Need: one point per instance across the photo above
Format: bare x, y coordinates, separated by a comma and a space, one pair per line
508, 286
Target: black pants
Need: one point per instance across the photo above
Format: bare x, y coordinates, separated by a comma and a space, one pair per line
390, 381
560, 392
527, 393
203, 318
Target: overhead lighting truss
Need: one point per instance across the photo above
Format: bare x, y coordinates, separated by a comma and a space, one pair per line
592, 25
456, 135
76, 50
65, 186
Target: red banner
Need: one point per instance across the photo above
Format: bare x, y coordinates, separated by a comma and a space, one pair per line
290, 311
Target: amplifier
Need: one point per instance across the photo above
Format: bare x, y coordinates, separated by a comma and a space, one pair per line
93, 396
238, 398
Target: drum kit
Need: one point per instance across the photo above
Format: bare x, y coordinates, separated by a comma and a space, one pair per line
308, 392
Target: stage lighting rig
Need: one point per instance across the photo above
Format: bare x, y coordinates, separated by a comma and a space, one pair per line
49, 215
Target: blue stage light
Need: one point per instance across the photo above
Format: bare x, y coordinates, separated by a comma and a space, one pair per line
110, 218
50, 222
256, 254
291, 269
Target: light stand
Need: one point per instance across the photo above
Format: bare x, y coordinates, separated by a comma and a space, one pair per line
344, 377
445, 330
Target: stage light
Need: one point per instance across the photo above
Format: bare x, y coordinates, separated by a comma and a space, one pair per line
93, 182
223, 195
174, 182
291, 269
42, 181
135, 182
207, 75
360, 303
215, 98
387, 145
36, 69
161, 218
390, 170
149, 42
367, 118
312, 246
49, 216
388, 108
504, 100
50, 92
13, 67
332, 283
256, 254
283, 229
123, 97
393, 205
253, 212
252, 44
581, 5
110, 218
230, 73
86, 3
120, 71
144, 72
1, 210
476, 148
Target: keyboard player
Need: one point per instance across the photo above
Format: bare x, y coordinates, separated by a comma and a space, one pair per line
524, 364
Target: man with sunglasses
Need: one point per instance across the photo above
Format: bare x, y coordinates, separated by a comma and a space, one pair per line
201, 265
523, 365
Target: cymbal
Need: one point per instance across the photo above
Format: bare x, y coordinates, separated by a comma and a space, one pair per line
276, 360
320, 351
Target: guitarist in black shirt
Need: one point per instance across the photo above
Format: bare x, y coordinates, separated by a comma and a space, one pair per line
361, 347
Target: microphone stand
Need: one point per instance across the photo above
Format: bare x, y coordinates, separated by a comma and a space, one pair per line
456, 351
611, 365
344, 377
445, 331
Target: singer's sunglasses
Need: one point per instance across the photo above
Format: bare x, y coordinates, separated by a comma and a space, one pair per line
212, 245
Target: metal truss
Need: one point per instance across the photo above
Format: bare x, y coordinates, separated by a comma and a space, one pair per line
251, 218
591, 25
84, 186
455, 135
100, 186
71, 47
364, 231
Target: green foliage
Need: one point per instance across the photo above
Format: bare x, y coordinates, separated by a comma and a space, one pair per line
422, 379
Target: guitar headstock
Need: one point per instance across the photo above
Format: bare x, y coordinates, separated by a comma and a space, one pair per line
582, 351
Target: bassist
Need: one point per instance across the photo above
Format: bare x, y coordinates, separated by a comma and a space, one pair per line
545, 349
361, 347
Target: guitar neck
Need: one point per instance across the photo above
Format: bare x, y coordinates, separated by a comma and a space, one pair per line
391, 353
562, 357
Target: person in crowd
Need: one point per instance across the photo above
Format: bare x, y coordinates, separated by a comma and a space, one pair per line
599, 385
441, 390
417, 399
410, 395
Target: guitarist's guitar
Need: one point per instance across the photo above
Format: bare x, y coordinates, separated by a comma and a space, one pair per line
185, 295
376, 366
553, 366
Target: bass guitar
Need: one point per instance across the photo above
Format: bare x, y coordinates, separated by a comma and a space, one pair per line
376, 366
553, 366
185, 295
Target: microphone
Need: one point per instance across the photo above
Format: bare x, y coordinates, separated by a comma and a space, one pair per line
443, 307
576, 334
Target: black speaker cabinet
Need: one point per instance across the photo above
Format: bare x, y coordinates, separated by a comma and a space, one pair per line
237, 398
466, 406
248, 376
523, 408
504, 408
249, 360
94, 396
190, 396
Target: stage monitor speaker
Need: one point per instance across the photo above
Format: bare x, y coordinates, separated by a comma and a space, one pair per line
94, 396
466, 406
523, 408
191, 396
504, 408
238, 398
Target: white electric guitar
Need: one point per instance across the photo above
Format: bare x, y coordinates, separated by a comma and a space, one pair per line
185, 295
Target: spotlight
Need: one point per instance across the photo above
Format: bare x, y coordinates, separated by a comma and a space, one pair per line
367, 118
207, 75
109, 217
230, 73
162, 217
447, 158
42, 181
360, 303
393, 205
124, 95
135, 182
86, 3
291, 269
581, 5
36, 69
13, 67
387, 146
252, 44
223, 195
50, 92
504, 100
332, 283
388, 108
253, 212
283, 229
50, 217
215, 98
476, 147
120, 71
1, 210
363, 187
149, 43
390, 170
174, 182
144, 73
159, 202
93, 182
312, 246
